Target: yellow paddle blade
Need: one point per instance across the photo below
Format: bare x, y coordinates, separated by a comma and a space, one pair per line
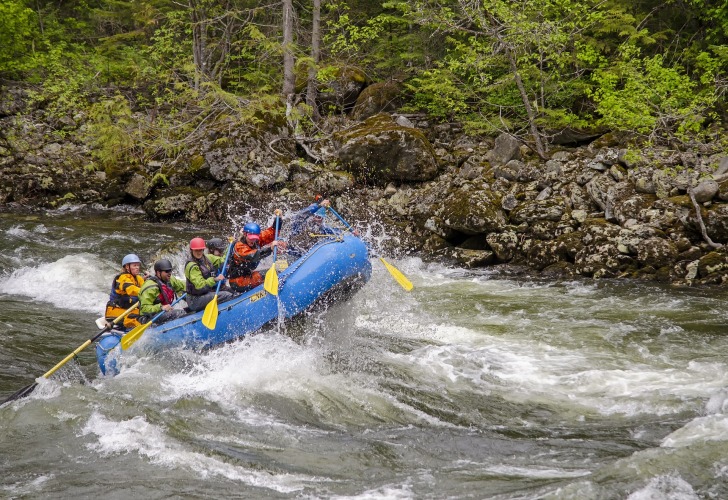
397, 275
209, 317
271, 281
128, 339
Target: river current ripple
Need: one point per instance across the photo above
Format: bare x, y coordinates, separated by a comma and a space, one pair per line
473, 385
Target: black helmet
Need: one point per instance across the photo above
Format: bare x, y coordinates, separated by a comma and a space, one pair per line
162, 265
216, 244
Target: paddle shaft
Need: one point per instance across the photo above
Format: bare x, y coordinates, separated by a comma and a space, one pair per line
29, 388
346, 224
396, 273
159, 314
275, 237
130, 337
270, 284
89, 341
224, 265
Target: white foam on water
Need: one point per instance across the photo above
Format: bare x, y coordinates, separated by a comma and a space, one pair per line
671, 487
273, 364
76, 282
699, 430
30, 487
21, 233
535, 473
526, 370
262, 363
150, 441
387, 492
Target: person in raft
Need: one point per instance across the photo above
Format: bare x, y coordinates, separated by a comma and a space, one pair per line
124, 291
307, 226
253, 246
159, 292
201, 279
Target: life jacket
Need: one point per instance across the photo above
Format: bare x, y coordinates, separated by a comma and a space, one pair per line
244, 263
123, 300
245, 283
206, 268
166, 294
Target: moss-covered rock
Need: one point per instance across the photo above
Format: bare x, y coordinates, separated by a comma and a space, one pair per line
551, 209
339, 93
473, 212
378, 150
711, 263
377, 98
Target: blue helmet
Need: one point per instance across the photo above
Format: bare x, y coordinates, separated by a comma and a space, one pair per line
130, 259
251, 228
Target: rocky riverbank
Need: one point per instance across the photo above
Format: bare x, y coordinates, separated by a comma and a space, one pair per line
604, 208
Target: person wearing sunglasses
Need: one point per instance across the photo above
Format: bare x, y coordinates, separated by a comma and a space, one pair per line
159, 292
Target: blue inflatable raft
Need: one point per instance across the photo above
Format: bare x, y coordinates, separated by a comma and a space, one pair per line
331, 270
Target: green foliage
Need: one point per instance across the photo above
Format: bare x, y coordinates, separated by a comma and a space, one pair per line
17, 27
159, 178
618, 64
384, 42
646, 95
111, 132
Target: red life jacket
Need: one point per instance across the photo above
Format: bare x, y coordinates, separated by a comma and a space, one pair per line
166, 293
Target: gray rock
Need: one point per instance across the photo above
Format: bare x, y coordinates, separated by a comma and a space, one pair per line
543, 195
503, 244
597, 189
402, 121
656, 252
379, 150
509, 202
722, 166
137, 187
705, 191
531, 211
506, 148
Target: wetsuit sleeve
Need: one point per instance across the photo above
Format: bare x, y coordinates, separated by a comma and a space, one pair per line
177, 285
147, 297
267, 236
216, 260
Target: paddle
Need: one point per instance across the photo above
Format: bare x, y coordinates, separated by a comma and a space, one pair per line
396, 273
28, 389
209, 317
271, 277
128, 339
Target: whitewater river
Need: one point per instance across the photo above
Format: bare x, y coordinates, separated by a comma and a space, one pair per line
473, 385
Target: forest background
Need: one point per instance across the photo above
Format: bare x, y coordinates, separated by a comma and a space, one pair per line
147, 74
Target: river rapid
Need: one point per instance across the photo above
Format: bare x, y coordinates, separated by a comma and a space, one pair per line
473, 385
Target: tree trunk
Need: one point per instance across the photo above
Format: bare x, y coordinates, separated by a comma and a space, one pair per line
289, 77
199, 40
315, 56
527, 104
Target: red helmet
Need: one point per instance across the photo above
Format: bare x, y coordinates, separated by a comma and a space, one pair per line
197, 244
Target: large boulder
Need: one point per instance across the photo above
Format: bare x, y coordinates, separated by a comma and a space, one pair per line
506, 148
247, 163
473, 212
339, 93
551, 209
377, 98
380, 151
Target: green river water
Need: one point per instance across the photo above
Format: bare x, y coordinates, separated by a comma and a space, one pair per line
473, 385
